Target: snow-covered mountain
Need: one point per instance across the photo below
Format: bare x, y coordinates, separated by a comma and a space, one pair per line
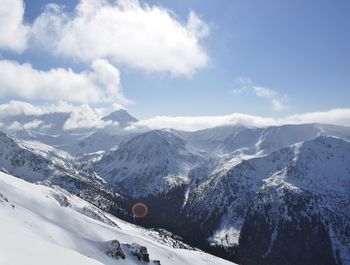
43, 225
221, 173
250, 195
150, 163
270, 204
157, 160
121, 116
22, 162
40, 164
96, 142
49, 129
239, 139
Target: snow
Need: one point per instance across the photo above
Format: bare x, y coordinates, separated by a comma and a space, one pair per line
320, 166
50, 131
227, 235
39, 229
221, 169
150, 163
46, 151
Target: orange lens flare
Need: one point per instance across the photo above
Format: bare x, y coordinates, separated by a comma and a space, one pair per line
139, 210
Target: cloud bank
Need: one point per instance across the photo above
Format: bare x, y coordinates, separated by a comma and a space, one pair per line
146, 37
334, 116
81, 116
100, 84
85, 116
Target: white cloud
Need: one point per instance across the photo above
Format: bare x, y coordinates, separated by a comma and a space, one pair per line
334, 116
146, 37
277, 105
85, 117
16, 126
264, 92
277, 100
101, 84
81, 116
200, 122
338, 116
13, 33
242, 84
14, 108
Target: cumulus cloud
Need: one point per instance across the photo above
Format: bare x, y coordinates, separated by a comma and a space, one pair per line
15, 108
146, 37
16, 126
13, 32
277, 100
81, 116
334, 116
100, 84
85, 117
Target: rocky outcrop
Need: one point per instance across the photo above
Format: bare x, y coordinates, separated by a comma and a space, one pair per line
116, 250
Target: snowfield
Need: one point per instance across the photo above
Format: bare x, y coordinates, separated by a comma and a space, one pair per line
44, 225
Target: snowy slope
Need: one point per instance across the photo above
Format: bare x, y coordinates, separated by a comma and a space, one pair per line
308, 180
22, 162
223, 186
38, 163
150, 163
232, 140
98, 141
42, 225
158, 160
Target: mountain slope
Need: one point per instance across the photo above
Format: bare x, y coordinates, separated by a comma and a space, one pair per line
42, 225
159, 160
96, 142
20, 161
221, 197
305, 186
251, 195
150, 163
38, 165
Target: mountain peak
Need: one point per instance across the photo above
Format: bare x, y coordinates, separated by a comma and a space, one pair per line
121, 116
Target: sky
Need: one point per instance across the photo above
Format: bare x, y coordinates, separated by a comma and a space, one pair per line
268, 58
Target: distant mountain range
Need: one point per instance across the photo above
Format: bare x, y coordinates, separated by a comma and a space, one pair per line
274, 195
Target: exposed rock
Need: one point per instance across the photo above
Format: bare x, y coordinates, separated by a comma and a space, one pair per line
140, 252
61, 198
114, 250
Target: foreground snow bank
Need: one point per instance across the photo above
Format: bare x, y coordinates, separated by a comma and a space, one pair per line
43, 225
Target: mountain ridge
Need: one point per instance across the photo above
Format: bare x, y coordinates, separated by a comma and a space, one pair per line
219, 187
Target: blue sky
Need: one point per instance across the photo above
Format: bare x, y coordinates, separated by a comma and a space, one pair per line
299, 50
